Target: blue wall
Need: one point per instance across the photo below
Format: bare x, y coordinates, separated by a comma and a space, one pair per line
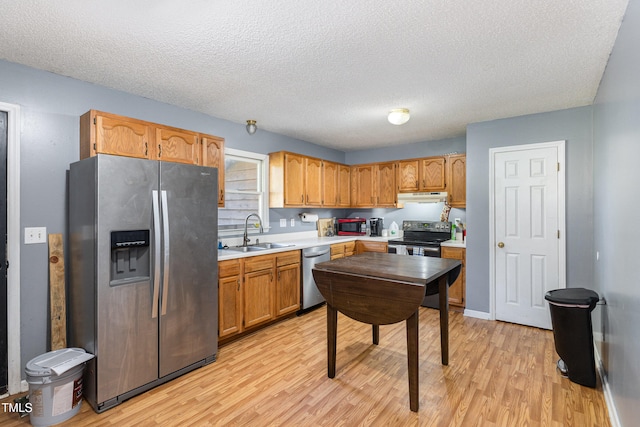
574, 126
616, 198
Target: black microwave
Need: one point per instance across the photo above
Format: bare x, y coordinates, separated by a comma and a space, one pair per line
351, 226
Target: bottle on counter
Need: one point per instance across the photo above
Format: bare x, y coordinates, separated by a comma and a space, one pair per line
453, 231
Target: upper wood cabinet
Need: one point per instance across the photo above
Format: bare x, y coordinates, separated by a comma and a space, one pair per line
110, 134
362, 186
179, 146
213, 156
457, 180
373, 185
301, 181
427, 174
433, 174
330, 183
107, 133
313, 181
344, 186
385, 185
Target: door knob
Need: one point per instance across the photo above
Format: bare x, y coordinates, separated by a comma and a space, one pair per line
501, 245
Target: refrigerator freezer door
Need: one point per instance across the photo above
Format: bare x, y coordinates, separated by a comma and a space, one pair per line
127, 334
189, 313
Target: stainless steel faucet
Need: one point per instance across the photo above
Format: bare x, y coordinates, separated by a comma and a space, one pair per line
245, 238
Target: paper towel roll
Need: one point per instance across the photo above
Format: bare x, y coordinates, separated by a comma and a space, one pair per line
308, 217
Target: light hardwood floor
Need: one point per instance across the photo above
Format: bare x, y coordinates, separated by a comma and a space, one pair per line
499, 374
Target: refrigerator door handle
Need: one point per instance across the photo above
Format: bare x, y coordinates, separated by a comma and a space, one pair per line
165, 231
156, 254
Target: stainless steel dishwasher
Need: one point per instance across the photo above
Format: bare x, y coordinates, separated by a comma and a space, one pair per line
311, 256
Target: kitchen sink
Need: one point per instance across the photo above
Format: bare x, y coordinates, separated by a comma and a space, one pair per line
267, 245
260, 247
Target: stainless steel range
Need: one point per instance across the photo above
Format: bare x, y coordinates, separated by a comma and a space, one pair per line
421, 238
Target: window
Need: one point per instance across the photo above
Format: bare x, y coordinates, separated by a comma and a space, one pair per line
246, 189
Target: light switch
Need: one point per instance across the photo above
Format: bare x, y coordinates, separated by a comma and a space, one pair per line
283, 222
293, 222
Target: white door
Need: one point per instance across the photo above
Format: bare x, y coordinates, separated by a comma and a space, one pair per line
528, 230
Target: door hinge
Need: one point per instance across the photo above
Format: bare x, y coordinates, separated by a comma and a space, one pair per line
95, 121
558, 166
94, 146
558, 234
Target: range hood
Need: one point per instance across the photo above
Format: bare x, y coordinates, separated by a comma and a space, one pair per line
422, 197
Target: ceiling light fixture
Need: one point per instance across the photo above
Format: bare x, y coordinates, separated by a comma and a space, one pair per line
251, 127
398, 116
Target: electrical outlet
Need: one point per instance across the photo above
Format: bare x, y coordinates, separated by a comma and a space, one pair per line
35, 235
293, 222
283, 222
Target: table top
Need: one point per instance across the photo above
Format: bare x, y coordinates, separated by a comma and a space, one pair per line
413, 269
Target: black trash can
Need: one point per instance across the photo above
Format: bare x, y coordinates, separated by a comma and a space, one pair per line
573, 333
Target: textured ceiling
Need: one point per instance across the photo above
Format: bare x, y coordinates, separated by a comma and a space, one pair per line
328, 71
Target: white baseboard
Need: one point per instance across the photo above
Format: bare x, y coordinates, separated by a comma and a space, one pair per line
477, 314
608, 397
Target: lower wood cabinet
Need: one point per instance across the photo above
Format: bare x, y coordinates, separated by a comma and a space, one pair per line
229, 298
256, 290
341, 250
370, 246
457, 291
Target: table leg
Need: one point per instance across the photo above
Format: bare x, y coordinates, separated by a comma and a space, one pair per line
332, 327
412, 361
376, 334
443, 289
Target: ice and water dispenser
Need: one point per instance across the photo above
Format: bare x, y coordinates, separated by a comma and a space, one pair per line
130, 256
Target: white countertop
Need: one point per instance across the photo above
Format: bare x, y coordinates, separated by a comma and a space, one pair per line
454, 244
297, 243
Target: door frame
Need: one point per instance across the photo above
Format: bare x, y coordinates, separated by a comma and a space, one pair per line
562, 227
13, 247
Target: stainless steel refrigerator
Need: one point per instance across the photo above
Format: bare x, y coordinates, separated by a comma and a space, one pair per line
143, 295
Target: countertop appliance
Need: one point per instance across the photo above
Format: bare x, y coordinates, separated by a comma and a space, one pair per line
311, 296
351, 226
375, 226
422, 238
143, 259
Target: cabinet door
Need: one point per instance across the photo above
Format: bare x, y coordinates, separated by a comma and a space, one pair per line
349, 248
294, 180
457, 289
344, 186
408, 176
258, 297
288, 289
386, 185
230, 306
122, 137
457, 177
177, 146
313, 182
213, 156
433, 174
329, 184
362, 189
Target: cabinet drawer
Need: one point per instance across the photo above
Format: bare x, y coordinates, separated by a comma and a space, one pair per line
229, 268
350, 246
257, 263
452, 253
286, 258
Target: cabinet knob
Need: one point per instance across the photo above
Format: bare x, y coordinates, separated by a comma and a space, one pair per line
500, 244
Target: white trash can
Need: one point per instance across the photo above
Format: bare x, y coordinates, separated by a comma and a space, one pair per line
55, 385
